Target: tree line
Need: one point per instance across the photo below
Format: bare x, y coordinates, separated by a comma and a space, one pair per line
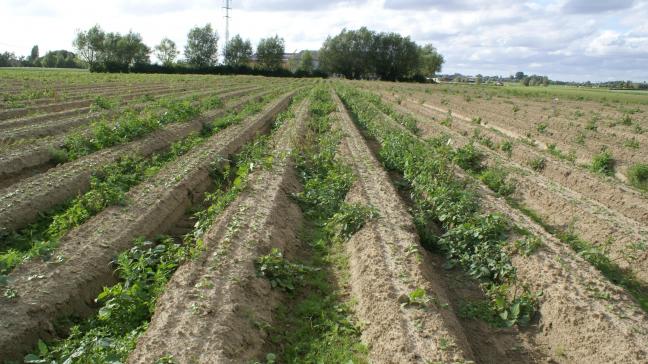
53, 59
354, 54
365, 54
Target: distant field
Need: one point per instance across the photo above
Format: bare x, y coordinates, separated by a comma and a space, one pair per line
565, 92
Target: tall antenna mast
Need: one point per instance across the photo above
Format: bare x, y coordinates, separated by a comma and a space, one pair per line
227, 18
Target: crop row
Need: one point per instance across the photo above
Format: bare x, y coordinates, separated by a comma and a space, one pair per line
149, 208
501, 248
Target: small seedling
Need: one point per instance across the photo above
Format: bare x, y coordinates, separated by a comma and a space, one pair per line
603, 163
417, 297
281, 273
537, 164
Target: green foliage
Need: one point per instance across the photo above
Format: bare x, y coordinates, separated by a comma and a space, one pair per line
110, 51
102, 102
638, 176
538, 164
527, 245
469, 158
497, 180
319, 326
474, 241
270, 52
280, 272
166, 51
626, 120
126, 307
326, 181
541, 127
201, 49
363, 53
603, 163
131, 125
507, 147
349, 219
631, 143
238, 52
143, 271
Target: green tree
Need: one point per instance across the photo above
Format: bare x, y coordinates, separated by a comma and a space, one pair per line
8, 59
34, 55
519, 75
306, 63
350, 53
479, 79
238, 51
430, 61
270, 52
526, 81
89, 44
202, 46
59, 59
395, 56
166, 51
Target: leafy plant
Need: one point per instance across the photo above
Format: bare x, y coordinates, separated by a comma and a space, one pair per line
507, 147
469, 158
537, 164
497, 180
349, 219
527, 245
638, 176
281, 273
541, 128
603, 163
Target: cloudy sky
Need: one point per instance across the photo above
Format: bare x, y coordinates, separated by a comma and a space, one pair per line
578, 40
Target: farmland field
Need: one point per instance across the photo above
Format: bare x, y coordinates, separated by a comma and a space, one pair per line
247, 219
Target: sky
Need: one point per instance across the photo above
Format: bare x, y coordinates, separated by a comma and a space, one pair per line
571, 40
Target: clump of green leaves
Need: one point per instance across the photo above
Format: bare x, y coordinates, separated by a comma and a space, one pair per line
417, 297
541, 127
537, 164
469, 158
349, 219
126, 307
280, 272
497, 180
103, 103
527, 245
603, 163
507, 147
638, 176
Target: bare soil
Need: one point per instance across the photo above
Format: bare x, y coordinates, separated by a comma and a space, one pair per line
81, 265
215, 307
22, 202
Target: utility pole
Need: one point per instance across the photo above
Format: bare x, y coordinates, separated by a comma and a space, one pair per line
227, 18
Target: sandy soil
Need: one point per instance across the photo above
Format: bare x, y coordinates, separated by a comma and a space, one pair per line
387, 262
583, 317
81, 264
215, 307
558, 205
22, 202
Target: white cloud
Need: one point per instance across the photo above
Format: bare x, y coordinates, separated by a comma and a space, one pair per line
565, 39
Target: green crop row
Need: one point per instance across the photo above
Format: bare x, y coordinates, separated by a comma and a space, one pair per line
474, 240
143, 271
108, 187
318, 326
